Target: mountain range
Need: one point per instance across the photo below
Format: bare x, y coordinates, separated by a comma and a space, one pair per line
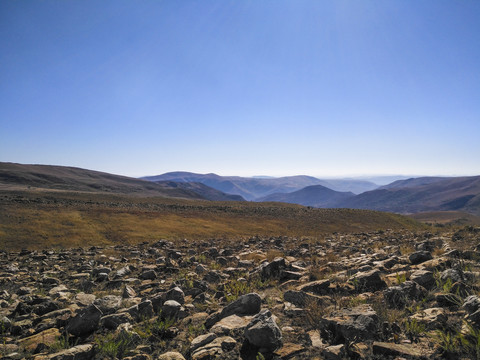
406, 196
255, 188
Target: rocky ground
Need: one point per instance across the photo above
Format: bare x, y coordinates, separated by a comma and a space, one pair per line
381, 295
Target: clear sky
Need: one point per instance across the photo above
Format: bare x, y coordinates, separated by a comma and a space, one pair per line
271, 87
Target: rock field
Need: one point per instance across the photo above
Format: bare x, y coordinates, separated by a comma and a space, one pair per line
379, 295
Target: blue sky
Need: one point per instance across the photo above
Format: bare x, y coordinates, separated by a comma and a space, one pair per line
324, 88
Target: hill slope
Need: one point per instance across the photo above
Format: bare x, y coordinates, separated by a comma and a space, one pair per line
257, 188
203, 190
62, 178
421, 195
315, 195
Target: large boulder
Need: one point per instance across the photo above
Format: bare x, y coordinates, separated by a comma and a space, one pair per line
360, 323
272, 269
400, 296
108, 304
263, 332
319, 287
368, 281
420, 257
85, 322
424, 278
248, 304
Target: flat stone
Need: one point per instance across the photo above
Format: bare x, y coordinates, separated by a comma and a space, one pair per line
289, 350
79, 352
391, 349
47, 337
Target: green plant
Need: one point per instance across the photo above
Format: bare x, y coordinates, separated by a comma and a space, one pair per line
414, 329
202, 259
157, 328
447, 341
115, 345
471, 341
259, 356
401, 278
233, 289
195, 330
61, 343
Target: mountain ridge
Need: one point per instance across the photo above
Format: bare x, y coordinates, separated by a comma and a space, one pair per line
256, 188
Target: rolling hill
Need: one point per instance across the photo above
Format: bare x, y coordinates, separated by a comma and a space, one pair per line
315, 195
256, 188
422, 195
61, 178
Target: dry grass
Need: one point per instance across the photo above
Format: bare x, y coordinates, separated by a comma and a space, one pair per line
40, 220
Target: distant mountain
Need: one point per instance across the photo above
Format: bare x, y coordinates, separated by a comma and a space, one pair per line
421, 195
256, 188
62, 178
205, 191
315, 195
413, 182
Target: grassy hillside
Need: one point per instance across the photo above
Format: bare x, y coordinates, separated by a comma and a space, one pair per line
447, 218
63, 178
60, 219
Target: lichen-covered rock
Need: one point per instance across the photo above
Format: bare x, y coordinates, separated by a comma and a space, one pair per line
368, 281
85, 322
400, 296
360, 323
420, 257
424, 278
263, 332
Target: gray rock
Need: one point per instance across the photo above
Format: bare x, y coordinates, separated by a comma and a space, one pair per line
85, 322
302, 299
101, 270
175, 294
128, 293
420, 257
171, 309
334, 352
359, 323
272, 269
112, 321
452, 274
148, 275
400, 296
108, 304
424, 278
471, 304
263, 332
141, 311
79, 352
368, 281
171, 355
218, 348
248, 304
201, 340
319, 287
401, 350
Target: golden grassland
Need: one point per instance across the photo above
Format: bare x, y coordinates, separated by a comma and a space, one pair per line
447, 218
59, 219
